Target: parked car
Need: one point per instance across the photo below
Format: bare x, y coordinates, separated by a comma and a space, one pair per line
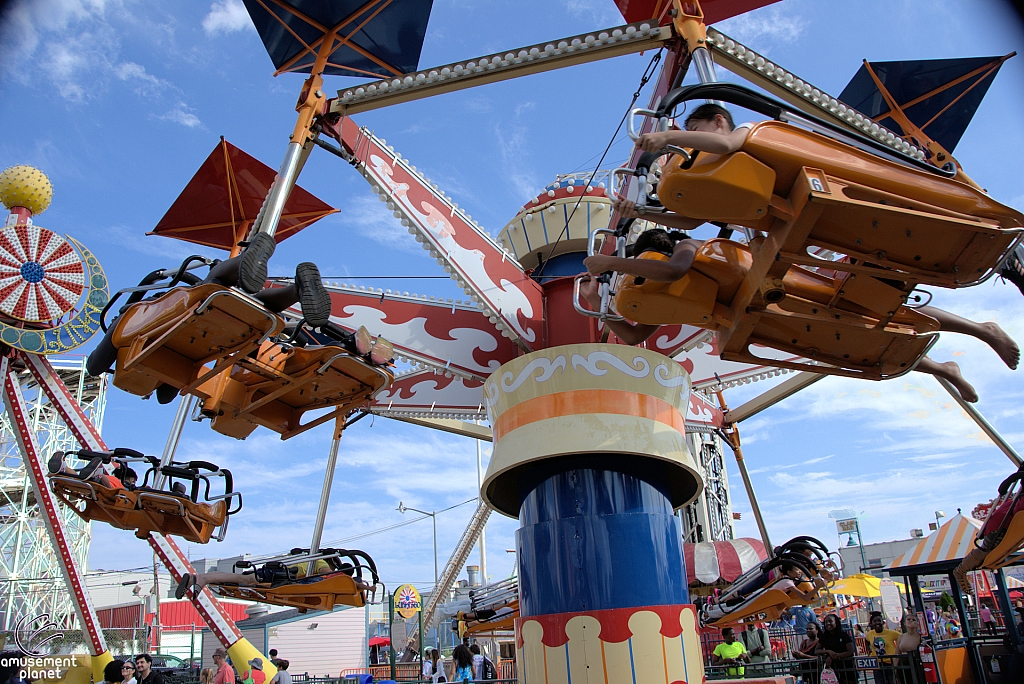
174, 670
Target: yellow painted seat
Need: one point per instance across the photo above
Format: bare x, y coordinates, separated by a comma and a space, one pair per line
173, 338
1012, 542
171, 514
319, 592
770, 603
941, 231
505, 621
283, 383
92, 501
854, 323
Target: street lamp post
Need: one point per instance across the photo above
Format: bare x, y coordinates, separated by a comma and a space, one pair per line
402, 508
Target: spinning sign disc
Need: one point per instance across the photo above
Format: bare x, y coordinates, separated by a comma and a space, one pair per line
41, 276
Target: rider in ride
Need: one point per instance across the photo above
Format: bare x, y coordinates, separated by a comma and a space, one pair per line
93, 471
268, 575
709, 129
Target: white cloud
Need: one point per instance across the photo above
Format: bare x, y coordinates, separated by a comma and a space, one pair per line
145, 83
226, 16
370, 218
764, 28
181, 114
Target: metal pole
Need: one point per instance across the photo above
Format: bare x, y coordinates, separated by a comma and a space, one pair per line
184, 407
279, 191
391, 632
325, 493
483, 530
704, 65
738, 452
433, 516
985, 426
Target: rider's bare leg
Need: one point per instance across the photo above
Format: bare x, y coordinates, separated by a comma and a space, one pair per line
948, 371
989, 333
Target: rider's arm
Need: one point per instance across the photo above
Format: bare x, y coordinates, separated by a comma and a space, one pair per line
630, 333
627, 209
715, 143
660, 271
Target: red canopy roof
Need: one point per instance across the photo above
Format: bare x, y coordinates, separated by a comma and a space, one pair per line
219, 204
711, 562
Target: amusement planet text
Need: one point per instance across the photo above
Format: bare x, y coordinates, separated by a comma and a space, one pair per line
32, 667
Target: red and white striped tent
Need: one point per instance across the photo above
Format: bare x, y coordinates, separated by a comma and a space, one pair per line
722, 561
952, 541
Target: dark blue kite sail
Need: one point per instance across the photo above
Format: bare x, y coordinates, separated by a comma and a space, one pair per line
370, 38
939, 96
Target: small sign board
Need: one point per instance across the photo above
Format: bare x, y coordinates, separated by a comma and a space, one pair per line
867, 663
847, 526
407, 601
892, 607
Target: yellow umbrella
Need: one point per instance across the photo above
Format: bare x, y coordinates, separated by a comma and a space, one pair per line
863, 585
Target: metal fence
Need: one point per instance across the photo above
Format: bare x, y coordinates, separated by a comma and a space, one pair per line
123, 643
904, 669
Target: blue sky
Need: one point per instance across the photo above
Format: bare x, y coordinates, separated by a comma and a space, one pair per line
119, 101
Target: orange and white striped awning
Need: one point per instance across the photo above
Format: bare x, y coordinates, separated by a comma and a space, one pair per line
952, 541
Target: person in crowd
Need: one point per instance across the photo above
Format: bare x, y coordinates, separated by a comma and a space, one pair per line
437, 667
882, 645
758, 645
128, 672
987, 621
802, 616
144, 670
113, 673
206, 675
478, 661
731, 653
463, 658
910, 639
808, 670
837, 648
254, 674
225, 673
282, 676
428, 667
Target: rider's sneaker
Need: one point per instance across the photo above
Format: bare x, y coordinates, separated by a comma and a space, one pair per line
382, 352
1013, 269
313, 296
183, 585
165, 393
363, 341
252, 271
89, 468
56, 462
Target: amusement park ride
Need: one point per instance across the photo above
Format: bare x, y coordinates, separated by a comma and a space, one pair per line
844, 217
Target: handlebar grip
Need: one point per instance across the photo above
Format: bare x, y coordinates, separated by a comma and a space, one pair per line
125, 451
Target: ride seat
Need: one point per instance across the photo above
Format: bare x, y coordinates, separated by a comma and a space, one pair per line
905, 218
814, 319
284, 382
172, 338
92, 501
177, 515
319, 592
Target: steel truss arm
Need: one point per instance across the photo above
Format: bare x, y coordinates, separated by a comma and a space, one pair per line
86, 433
508, 64
15, 404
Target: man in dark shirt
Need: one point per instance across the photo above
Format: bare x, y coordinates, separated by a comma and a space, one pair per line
144, 670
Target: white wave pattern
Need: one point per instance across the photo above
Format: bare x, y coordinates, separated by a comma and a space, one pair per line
547, 368
506, 298
413, 335
640, 368
665, 377
428, 392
